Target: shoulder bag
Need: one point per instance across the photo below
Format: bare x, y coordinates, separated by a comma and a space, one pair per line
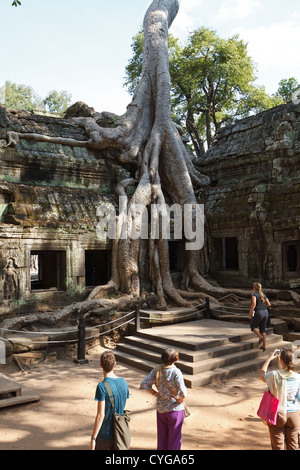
122, 434
268, 408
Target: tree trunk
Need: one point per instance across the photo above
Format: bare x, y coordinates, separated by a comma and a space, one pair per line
208, 127
193, 131
147, 136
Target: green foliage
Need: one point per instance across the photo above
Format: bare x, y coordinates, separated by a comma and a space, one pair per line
57, 101
257, 100
135, 64
287, 88
23, 97
15, 3
212, 82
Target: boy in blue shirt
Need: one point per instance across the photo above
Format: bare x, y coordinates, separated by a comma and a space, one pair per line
103, 432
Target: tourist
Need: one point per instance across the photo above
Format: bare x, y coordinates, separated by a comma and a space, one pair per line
259, 314
103, 433
284, 384
169, 382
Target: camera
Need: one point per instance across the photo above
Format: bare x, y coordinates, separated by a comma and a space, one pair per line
277, 352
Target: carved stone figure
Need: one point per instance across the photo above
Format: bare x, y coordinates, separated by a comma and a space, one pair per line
270, 270
10, 281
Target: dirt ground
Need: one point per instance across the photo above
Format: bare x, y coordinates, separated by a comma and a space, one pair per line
224, 414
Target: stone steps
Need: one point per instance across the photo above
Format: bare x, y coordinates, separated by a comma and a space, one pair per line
205, 358
12, 393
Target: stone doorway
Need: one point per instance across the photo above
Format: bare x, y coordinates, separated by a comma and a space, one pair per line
227, 255
97, 267
48, 270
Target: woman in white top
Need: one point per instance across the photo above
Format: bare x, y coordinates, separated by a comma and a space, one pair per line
284, 384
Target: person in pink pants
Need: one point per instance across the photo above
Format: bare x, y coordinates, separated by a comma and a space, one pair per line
170, 392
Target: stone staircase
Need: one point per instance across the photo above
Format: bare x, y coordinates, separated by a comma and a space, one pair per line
209, 350
11, 393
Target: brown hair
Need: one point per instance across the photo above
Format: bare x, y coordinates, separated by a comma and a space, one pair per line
286, 356
107, 361
257, 286
169, 356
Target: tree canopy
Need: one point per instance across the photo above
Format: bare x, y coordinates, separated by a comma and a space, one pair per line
288, 87
212, 82
23, 97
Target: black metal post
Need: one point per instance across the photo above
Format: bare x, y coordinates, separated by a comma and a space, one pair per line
137, 318
207, 308
81, 342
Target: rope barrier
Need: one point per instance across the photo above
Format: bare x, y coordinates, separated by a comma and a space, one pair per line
179, 314
76, 340
227, 313
236, 308
68, 332
112, 329
62, 332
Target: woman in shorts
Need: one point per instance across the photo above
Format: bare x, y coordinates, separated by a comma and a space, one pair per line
259, 314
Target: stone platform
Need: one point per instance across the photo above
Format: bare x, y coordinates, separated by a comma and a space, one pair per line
209, 350
12, 393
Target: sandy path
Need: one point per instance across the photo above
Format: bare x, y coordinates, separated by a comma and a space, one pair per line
224, 414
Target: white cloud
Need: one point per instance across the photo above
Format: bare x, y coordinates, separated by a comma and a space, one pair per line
274, 48
271, 30
238, 9
195, 13
188, 17
274, 44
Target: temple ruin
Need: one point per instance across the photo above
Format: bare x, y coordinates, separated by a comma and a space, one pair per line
252, 204
51, 184
49, 195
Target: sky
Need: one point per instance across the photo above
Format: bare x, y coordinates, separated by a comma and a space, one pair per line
83, 46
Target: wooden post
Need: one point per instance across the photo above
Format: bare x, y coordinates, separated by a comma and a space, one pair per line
81, 342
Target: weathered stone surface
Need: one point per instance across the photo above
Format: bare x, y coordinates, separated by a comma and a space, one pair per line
51, 207
255, 194
49, 195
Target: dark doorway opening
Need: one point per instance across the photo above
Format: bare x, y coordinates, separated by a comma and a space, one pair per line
176, 255
227, 255
48, 270
291, 259
97, 267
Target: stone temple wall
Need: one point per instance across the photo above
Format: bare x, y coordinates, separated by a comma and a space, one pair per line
50, 191
253, 204
49, 194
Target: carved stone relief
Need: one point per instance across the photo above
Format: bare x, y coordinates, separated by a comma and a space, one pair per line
10, 262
